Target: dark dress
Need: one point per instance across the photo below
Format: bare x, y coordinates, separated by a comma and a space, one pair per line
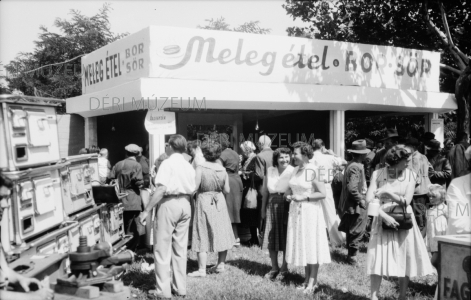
251, 217
230, 161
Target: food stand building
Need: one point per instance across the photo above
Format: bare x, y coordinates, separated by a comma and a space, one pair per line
291, 88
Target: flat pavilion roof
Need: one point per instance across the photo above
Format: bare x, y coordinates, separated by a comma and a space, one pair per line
234, 71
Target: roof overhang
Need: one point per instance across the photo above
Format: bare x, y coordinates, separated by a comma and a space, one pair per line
161, 93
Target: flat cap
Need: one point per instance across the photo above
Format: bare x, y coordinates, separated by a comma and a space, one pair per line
133, 148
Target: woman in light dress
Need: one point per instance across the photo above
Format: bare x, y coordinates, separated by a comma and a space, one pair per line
212, 230
395, 253
307, 243
275, 211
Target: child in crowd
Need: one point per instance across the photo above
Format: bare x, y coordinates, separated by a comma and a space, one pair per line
437, 215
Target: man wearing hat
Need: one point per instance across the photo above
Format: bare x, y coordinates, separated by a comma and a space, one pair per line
441, 166
352, 203
426, 138
420, 165
128, 172
389, 141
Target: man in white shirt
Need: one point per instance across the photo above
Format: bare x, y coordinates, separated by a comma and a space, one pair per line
175, 183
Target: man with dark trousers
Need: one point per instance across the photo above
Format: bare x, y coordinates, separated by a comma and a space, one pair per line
263, 161
128, 172
352, 203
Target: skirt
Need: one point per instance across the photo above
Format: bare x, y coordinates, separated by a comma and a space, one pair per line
276, 226
212, 229
234, 198
332, 220
306, 242
398, 253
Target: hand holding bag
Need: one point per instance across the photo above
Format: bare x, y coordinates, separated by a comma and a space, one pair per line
251, 197
117, 189
404, 219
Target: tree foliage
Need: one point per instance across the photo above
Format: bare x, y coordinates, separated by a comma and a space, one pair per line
249, 27
61, 54
443, 26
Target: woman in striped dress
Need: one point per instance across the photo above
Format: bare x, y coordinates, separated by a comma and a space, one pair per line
212, 229
275, 210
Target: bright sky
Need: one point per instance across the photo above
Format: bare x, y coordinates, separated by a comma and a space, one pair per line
20, 20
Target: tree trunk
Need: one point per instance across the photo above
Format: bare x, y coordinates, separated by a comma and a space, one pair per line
463, 98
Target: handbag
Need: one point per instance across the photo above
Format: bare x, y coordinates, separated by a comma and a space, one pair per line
251, 197
404, 219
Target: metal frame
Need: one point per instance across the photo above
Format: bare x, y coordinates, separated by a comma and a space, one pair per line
31, 100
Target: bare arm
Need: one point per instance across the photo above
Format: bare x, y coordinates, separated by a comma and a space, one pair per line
370, 194
264, 194
227, 188
198, 178
156, 197
319, 186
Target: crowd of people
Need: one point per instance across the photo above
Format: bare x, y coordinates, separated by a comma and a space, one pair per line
299, 201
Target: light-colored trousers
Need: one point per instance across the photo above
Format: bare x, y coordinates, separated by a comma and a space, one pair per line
145, 196
170, 244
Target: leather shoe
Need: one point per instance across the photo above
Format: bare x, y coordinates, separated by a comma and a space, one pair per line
176, 294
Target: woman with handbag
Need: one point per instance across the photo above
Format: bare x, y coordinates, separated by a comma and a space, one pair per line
251, 206
396, 247
306, 243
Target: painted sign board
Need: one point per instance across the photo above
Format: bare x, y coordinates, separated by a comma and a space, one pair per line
209, 55
454, 272
160, 122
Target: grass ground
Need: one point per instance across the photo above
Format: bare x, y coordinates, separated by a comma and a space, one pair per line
247, 266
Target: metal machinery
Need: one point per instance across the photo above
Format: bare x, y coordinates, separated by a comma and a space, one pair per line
52, 210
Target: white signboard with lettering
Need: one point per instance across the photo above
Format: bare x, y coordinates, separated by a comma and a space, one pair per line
160, 122
213, 55
242, 57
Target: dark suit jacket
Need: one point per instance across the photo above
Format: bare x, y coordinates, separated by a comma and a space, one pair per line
263, 162
457, 159
441, 173
352, 186
128, 172
145, 169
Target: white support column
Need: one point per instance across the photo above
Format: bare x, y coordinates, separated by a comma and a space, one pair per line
91, 135
337, 132
428, 120
439, 131
156, 146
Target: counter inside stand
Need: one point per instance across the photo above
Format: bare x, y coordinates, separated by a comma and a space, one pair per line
454, 269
